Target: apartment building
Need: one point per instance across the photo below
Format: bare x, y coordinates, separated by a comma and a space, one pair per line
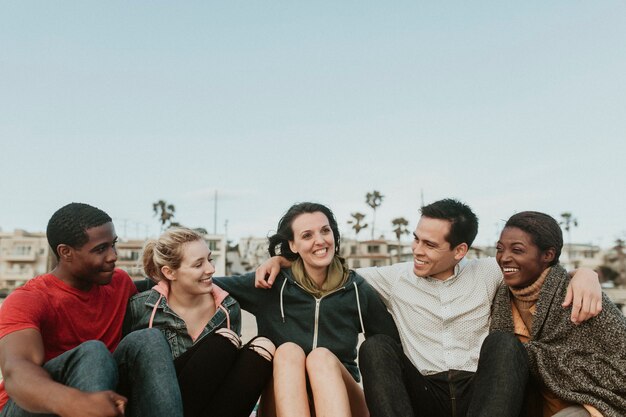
23, 255
129, 255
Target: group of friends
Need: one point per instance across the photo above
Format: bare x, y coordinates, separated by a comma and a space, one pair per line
515, 335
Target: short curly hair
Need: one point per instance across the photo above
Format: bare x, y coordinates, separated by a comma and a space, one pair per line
543, 229
68, 225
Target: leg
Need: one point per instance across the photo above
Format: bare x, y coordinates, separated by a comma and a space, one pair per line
147, 375
202, 369
500, 381
290, 393
335, 392
240, 388
330, 396
393, 386
88, 367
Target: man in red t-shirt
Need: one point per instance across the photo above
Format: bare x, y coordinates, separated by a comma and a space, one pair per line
60, 347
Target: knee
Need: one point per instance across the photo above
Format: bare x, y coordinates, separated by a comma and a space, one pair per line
321, 360
377, 346
230, 335
506, 347
95, 353
503, 342
145, 341
289, 354
263, 347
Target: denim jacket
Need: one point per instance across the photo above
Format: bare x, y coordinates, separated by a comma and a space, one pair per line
150, 309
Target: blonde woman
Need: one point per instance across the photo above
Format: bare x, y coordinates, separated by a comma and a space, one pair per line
217, 375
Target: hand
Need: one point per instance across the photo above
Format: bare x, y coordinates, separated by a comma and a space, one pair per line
584, 293
266, 273
95, 404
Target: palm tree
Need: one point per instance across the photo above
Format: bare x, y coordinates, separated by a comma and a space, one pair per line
356, 223
374, 199
621, 262
400, 229
568, 222
165, 213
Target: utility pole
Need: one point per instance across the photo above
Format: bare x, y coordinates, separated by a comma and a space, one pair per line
215, 214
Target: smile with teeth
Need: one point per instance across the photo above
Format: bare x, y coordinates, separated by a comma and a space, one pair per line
208, 279
320, 252
510, 269
418, 262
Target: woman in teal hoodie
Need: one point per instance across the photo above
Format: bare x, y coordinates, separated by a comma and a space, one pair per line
314, 312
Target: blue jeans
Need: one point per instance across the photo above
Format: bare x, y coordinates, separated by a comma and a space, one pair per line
394, 387
141, 369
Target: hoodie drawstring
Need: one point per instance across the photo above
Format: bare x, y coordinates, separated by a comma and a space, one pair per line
358, 306
282, 308
227, 315
154, 310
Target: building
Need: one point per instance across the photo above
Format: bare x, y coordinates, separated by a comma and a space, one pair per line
129, 255
376, 252
23, 255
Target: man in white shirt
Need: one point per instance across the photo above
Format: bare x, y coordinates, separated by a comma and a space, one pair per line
441, 303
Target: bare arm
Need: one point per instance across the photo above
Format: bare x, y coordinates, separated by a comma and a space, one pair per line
31, 387
266, 272
584, 294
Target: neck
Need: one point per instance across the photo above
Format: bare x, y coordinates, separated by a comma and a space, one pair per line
317, 275
188, 301
62, 273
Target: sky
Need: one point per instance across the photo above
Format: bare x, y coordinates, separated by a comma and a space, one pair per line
507, 106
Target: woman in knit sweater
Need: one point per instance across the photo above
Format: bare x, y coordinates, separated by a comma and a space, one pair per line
576, 370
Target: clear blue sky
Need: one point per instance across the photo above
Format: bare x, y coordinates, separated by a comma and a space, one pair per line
508, 106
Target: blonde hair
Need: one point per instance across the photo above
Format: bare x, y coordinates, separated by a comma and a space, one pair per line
167, 250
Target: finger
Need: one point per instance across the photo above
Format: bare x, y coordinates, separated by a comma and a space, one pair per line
576, 310
598, 306
585, 309
568, 296
269, 278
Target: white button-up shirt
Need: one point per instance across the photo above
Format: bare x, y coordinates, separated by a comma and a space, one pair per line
442, 324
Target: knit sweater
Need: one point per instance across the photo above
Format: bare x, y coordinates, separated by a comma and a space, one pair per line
583, 363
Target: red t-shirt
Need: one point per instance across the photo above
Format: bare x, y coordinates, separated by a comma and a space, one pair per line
65, 316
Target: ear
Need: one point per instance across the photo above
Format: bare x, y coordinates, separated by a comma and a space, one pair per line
460, 251
65, 252
168, 273
548, 255
292, 246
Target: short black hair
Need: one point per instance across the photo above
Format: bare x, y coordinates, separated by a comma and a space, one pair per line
68, 225
543, 229
281, 239
463, 221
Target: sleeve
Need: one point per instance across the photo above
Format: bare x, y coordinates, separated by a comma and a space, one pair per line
242, 289
383, 278
22, 310
377, 319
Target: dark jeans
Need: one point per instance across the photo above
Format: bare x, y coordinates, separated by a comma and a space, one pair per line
141, 369
219, 379
394, 387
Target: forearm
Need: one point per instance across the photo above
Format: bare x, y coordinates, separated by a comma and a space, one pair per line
34, 390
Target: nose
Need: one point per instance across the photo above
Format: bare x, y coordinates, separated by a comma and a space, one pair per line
417, 248
210, 269
112, 255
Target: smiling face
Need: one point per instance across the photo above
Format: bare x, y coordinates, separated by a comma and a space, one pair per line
92, 263
521, 261
195, 274
314, 241
432, 254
